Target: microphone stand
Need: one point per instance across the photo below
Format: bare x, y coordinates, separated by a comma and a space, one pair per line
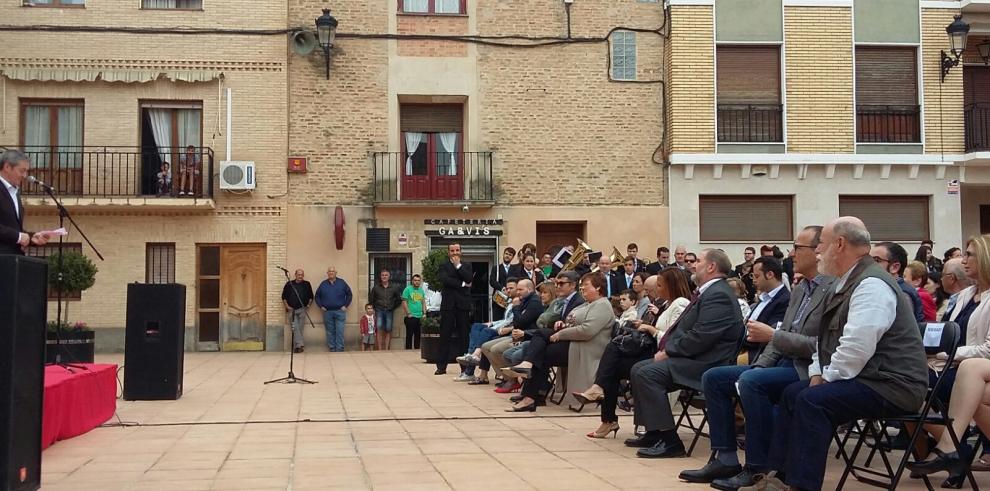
291, 378
63, 214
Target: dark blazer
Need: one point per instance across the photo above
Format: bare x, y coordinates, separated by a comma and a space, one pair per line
798, 342
706, 335
525, 314
616, 282
770, 315
620, 278
11, 223
576, 301
497, 276
453, 295
537, 275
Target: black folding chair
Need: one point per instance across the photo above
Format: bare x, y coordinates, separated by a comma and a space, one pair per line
889, 477
690, 399
554, 373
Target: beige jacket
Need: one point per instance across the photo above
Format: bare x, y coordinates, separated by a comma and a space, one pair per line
589, 334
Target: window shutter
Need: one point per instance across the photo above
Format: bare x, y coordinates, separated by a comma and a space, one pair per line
977, 85
886, 76
893, 218
746, 218
431, 118
748, 75
377, 240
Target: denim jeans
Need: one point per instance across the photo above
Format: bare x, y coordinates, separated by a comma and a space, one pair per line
759, 389
333, 322
383, 320
514, 355
480, 334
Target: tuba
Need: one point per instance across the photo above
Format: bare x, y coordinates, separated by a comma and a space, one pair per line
616, 257
577, 257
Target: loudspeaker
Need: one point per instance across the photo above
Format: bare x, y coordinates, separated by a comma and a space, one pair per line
23, 312
154, 340
303, 42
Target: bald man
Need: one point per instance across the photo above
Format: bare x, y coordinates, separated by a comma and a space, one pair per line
870, 361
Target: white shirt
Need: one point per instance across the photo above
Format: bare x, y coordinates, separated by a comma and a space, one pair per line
707, 284
765, 299
872, 309
12, 190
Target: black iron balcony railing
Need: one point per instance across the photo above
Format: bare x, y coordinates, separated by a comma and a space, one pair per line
742, 123
439, 176
107, 172
977, 127
888, 124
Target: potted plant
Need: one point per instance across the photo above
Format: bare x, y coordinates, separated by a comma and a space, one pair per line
77, 274
429, 330
76, 342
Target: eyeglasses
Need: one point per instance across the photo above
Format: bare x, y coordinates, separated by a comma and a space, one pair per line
879, 260
561, 283
802, 246
692, 261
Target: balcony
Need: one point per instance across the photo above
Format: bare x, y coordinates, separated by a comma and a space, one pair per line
121, 174
888, 124
433, 178
977, 127
742, 123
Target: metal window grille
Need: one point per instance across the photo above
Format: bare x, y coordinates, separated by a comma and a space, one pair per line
159, 266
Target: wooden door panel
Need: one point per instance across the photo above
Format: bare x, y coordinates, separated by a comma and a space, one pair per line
242, 292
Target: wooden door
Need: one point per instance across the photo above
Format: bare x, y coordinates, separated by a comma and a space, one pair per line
562, 234
242, 297
429, 172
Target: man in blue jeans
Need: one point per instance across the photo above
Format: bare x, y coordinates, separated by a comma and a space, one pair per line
785, 360
334, 296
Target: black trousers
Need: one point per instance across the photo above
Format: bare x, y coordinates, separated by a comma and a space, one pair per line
613, 367
543, 355
412, 332
454, 324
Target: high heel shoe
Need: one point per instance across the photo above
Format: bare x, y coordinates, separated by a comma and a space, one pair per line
612, 428
942, 461
529, 408
585, 398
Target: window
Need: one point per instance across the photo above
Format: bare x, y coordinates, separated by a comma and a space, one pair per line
432, 145
51, 250
55, 3
167, 128
52, 136
887, 109
396, 264
748, 88
440, 7
159, 262
746, 218
624, 55
173, 4
893, 218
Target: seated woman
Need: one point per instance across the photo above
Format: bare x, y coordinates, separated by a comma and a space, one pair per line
639, 286
672, 287
578, 346
548, 295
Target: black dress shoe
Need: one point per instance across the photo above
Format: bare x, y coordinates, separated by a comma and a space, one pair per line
439, 372
742, 479
942, 462
648, 439
711, 471
662, 451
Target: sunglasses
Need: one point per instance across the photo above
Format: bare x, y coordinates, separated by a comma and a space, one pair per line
692, 261
559, 283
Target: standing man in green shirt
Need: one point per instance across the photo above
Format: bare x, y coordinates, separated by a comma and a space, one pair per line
414, 305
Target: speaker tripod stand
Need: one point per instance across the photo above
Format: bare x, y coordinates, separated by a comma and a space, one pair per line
291, 378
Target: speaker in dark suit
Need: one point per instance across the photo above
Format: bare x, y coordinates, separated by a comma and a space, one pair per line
455, 305
13, 170
154, 341
23, 310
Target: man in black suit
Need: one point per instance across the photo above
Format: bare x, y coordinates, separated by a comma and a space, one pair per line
613, 283
496, 280
632, 250
455, 304
706, 335
743, 270
13, 171
773, 300
663, 260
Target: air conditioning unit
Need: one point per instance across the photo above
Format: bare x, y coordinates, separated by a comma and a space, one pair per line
236, 175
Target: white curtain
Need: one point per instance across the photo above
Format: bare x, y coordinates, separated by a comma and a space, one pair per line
413, 141
189, 128
161, 126
37, 134
70, 137
159, 4
448, 6
447, 158
415, 6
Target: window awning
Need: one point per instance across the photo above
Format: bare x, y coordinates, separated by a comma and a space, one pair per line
63, 74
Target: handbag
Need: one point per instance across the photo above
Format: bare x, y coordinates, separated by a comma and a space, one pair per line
633, 342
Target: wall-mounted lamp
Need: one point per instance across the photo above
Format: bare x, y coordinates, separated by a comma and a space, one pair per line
958, 31
984, 50
326, 31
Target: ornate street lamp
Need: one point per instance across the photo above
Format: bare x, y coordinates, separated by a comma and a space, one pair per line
958, 31
326, 31
984, 49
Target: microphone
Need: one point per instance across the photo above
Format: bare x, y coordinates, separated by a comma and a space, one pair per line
283, 269
35, 180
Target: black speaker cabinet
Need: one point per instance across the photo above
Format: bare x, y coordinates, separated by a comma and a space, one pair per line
23, 311
153, 344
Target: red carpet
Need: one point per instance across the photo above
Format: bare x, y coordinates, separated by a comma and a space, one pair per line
77, 402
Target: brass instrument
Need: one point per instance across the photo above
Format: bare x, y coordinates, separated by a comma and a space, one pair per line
577, 257
501, 299
616, 257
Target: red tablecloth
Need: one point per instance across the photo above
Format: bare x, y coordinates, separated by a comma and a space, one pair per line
77, 402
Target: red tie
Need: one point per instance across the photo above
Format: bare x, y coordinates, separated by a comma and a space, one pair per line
666, 335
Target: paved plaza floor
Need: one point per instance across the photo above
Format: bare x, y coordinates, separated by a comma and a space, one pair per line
376, 420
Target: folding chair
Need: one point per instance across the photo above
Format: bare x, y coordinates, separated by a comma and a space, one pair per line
948, 342
554, 373
692, 399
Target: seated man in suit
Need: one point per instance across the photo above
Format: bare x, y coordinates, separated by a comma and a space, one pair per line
706, 335
869, 363
759, 386
767, 275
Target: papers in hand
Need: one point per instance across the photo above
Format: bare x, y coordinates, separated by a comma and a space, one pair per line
54, 233
933, 334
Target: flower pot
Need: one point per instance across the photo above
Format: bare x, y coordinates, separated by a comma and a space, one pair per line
75, 347
429, 341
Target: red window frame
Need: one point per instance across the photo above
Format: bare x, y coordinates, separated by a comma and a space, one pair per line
432, 9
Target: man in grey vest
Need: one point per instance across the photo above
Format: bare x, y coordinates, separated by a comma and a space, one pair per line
870, 361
